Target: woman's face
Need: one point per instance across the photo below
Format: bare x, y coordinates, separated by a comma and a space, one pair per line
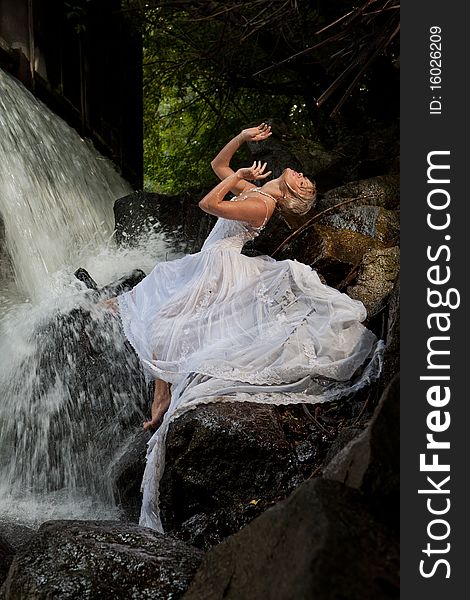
296, 181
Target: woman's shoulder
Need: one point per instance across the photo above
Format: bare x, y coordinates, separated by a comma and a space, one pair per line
244, 195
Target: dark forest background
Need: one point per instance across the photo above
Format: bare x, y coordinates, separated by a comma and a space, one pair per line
326, 72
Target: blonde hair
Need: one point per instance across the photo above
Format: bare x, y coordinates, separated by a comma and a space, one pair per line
297, 202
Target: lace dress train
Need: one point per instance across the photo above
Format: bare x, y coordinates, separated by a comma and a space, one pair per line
224, 327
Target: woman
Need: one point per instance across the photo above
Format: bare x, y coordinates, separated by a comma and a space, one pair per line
201, 313
221, 326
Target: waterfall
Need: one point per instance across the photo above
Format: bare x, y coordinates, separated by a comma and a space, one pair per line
56, 193
68, 382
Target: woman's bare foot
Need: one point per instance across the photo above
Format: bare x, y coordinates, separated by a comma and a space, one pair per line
111, 304
160, 404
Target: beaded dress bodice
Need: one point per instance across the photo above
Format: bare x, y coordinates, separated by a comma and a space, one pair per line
228, 233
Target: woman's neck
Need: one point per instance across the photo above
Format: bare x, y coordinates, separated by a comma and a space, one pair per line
272, 188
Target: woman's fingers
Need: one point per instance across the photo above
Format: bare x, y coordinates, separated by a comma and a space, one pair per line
259, 168
261, 132
256, 171
264, 128
259, 171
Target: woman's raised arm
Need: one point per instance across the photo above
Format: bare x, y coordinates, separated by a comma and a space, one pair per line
251, 210
221, 163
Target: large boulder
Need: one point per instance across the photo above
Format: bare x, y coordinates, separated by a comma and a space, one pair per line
12, 537
339, 241
333, 252
6, 556
383, 190
224, 464
336, 242
378, 223
370, 462
100, 559
126, 473
69, 422
377, 275
227, 463
178, 217
321, 542
15, 534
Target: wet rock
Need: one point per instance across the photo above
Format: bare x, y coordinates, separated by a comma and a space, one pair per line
336, 245
378, 272
392, 337
15, 534
370, 462
85, 277
331, 236
124, 284
276, 231
332, 252
97, 294
126, 473
99, 559
178, 217
224, 464
383, 190
376, 222
305, 450
228, 464
321, 542
90, 396
6, 557
345, 435
308, 440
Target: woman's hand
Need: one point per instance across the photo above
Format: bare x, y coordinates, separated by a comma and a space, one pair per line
221, 163
256, 134
256, 171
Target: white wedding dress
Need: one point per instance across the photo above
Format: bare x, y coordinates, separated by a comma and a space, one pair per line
225, 327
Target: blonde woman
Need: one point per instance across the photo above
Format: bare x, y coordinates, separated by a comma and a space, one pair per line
232, 318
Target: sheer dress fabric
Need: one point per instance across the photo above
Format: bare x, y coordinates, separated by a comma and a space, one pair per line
224, 327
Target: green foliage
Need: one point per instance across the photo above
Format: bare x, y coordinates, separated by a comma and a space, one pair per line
210, 69
182, 133
197, 95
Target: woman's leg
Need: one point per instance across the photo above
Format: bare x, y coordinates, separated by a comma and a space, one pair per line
160, 404
161, 394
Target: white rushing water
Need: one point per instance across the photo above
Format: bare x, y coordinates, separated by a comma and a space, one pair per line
57, 435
